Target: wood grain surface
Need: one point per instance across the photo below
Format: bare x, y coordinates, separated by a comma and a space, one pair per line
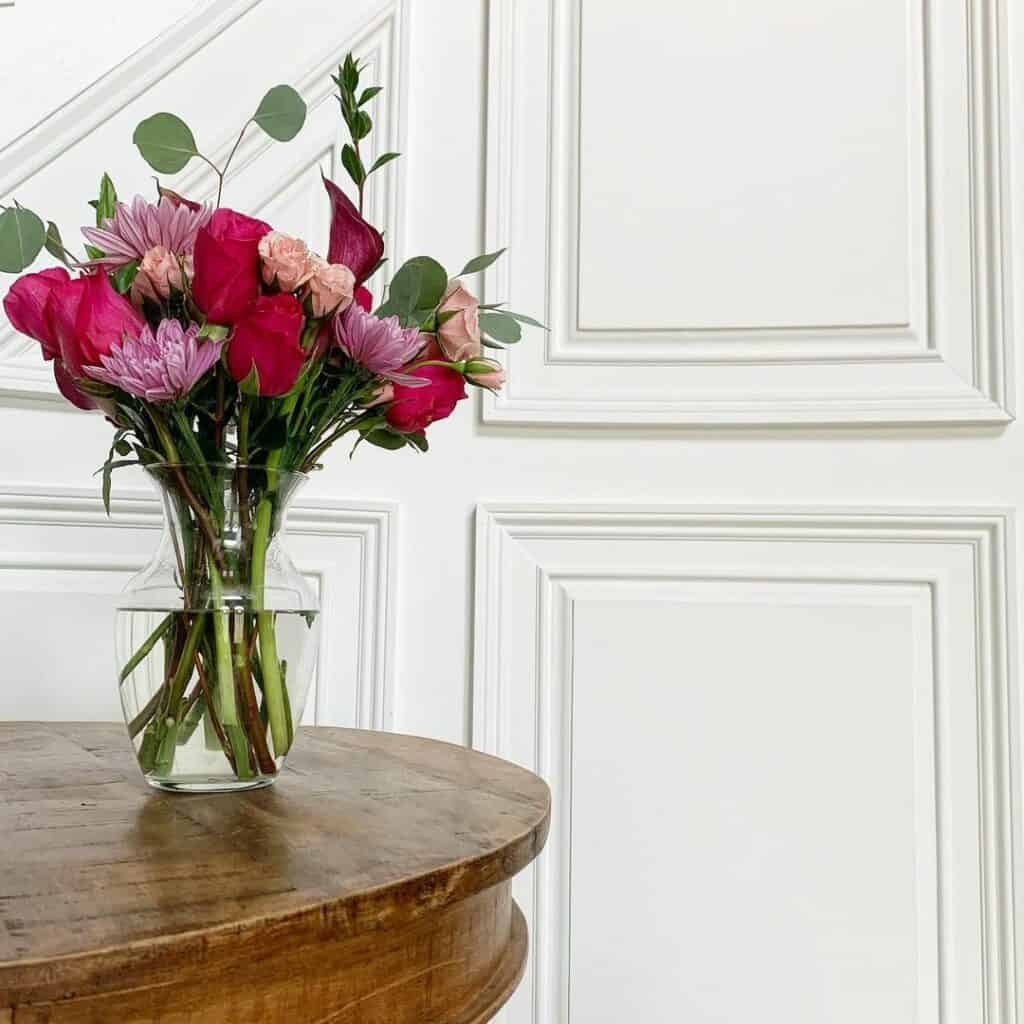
370, 885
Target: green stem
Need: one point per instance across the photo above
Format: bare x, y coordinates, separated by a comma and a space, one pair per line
150, 642
183, 673
273, 686
225, 688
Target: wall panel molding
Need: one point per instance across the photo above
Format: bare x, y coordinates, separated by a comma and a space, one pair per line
950, 363
51, 535
536, 563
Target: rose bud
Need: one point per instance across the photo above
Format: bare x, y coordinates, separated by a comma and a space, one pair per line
330, 288
158, 273
268, 338
485, 373
459, 335
27, 307
286, 261
415, 408
89, 318
364, 299
227, 265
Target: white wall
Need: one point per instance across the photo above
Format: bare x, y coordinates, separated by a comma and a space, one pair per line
770, 668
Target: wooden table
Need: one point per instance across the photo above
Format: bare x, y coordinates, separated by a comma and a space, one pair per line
370, 885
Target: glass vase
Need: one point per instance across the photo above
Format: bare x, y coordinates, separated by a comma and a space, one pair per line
217, 637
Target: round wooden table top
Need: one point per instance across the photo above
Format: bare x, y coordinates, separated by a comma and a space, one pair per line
370, 884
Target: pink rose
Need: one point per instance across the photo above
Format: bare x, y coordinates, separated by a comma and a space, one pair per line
485, 373
415, 408
459, 335
331, 287
286, 260
268, 338
227, 265
89, 318
158, 273
27, 306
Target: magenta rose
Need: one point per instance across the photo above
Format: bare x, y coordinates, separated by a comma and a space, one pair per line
226, 278
268, 338
415, 408
88, 318
27, 307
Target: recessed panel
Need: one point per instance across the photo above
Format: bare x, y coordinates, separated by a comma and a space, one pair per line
748, 838
744, 164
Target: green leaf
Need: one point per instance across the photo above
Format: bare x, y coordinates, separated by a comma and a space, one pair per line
351, 162
383, 438
478, 263
165, 142
418, 441
384, 158
524, 319
93, 253
251, 384
487, 343
215, 332
362, 125
368, 94
54, 243
350, 73
123, 279
433, 282
272, 434
281, 113
404, 293
500, 327
106, 205
22, 236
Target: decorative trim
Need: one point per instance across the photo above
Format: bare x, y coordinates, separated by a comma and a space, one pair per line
380, 39
607, 546
372, 524
926, 371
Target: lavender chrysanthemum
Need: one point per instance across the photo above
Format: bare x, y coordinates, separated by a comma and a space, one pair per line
382, 346
158, 367
135, 229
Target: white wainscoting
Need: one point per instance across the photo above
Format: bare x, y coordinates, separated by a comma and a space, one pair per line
788, 237
779, 744
280, 183
63, 562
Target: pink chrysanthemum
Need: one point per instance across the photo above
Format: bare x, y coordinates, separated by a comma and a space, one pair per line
135, 229
382, 346
158, 367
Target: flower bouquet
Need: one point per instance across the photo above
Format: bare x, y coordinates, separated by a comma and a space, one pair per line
229, 359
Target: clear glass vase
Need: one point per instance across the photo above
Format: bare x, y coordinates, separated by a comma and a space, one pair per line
217, 637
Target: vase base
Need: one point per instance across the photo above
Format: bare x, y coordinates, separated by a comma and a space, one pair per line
204, 784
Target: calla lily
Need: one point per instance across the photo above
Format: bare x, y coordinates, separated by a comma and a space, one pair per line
354, 242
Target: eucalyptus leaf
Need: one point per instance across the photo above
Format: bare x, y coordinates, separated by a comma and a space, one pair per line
22, 236
404, 293
433, 282
478, 263
524, 319
281, 113
500, 327
165, 142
